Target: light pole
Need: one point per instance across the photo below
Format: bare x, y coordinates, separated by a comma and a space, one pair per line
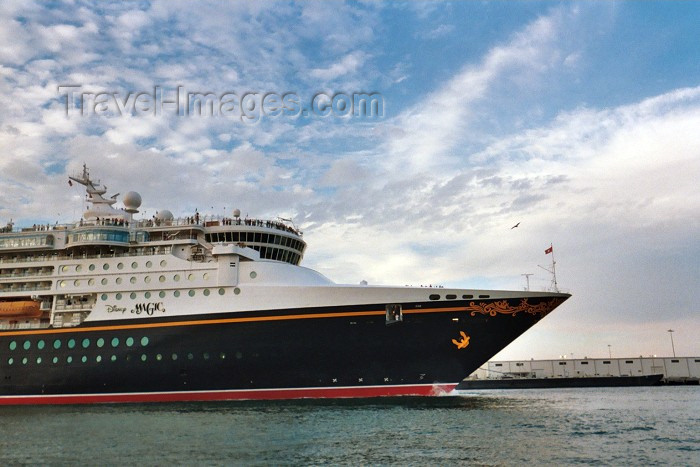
670, 331
609, 351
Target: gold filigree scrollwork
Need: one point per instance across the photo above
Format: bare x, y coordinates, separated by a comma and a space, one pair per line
464, 342
502, 307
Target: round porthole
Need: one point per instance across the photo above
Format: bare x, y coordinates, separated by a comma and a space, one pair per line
129, 341
13, 345
236, 291
91, 281
191, 293
132, 280
100, 342
177, 277
86, 343
161, 294
91, 267
40, 345
76, 283
176, 293
103, 281
147, 295
27, 345
118, 280
118, 296
253, 274
115, 341
149, 264
161, 279
105, 266
147, 279
104, 296
78, 268
206, 292
222, 291
134, 265
163, 263
120, 266
132, 295
62, 284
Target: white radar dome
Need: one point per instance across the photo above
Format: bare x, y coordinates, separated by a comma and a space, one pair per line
164, 215
132, 201
236, 213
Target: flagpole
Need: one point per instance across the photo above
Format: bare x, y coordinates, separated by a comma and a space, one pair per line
554, 270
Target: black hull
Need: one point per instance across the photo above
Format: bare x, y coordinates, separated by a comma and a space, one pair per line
339, 347
578, 382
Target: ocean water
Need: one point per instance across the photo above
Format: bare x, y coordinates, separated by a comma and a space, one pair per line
611, 426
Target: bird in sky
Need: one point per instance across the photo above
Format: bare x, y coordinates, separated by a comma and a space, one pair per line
515, 226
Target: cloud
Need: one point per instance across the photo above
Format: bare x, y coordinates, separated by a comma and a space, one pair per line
349, 64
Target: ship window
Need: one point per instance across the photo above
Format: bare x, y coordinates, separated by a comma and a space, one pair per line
105, 266
176, 277
191, 293
129, 341
562, 363
104, 296
132, 280
222, 291
114, 358
57, 344
236, 291
13, 345
69, 359
98, 359
629, 361
206, 355
62, 284
163, 263
190, 277
71, 343
147, 295
606, 362
115, 341
159, 357
120, 266
434, 296
519, 364
40, 345
91, 281
64, 268
55, 360
161, 279
144, 341
206, 292
78, 268
86, 343
190, 356
484, 296
499, 364
450, 296
103, 281
143, 357
24, 361
584, 363
675, 361
10, 361
174, 356
91, 267
118, 280
149, 264
132, 295
27, 345
253, 274
134, 265
100, 342
84, 359
38, 360
118, 296
161, 294
205, 276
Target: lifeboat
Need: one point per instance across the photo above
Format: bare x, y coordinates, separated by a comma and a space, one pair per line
20, 309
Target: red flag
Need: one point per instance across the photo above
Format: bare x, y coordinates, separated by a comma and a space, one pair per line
548, 250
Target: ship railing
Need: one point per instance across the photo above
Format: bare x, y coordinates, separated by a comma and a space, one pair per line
75, 307
33, 324
214, 221
160, 250
13, 288
26, 274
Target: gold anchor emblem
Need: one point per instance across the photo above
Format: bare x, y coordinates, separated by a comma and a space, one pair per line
462, 344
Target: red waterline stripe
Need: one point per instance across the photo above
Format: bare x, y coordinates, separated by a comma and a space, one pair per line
252, 394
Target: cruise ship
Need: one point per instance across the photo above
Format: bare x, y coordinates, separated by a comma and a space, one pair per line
116, 308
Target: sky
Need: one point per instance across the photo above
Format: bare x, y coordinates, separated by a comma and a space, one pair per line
578, 120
